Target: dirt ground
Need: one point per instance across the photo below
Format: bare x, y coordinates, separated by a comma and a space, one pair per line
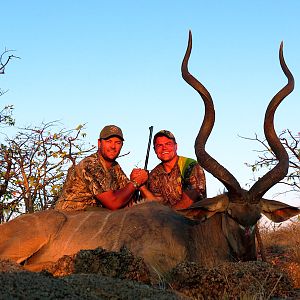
98, 274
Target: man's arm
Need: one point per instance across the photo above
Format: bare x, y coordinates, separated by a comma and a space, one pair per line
119, 198
196, 188
116, 199
185, 202
148, 195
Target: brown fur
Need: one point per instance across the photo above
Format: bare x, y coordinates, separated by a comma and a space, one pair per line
155, 232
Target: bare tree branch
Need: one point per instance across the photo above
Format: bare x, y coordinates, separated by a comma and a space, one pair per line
5, 63
266, 158
6, 113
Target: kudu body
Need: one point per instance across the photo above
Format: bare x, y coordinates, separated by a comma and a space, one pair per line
223, 230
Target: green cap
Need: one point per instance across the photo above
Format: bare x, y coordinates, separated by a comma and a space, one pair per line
111, 130
165, 133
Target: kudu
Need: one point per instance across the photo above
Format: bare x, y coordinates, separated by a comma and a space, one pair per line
163, 237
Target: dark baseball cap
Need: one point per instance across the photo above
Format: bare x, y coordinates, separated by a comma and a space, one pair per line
111, 130
165, 133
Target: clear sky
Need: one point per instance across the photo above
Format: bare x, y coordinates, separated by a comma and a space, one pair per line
118, 62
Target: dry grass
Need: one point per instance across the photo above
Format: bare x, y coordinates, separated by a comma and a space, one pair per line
244, 280
279, 278
282, 247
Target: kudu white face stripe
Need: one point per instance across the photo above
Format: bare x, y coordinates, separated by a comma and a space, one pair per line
247, 229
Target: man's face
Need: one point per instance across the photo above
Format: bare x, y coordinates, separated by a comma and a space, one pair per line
110, 148
165, 148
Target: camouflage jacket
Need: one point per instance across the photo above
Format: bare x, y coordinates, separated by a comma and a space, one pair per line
87, 179
186, 175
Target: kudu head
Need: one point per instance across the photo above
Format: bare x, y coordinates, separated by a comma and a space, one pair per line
242, 209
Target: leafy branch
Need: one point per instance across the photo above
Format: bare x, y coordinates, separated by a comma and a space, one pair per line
34, 164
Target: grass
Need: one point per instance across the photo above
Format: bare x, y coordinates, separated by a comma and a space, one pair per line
282, 247
278, 278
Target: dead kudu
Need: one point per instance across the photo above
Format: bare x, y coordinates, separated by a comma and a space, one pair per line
163, 237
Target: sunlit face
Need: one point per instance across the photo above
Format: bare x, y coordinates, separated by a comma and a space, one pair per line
165, 148
110, 148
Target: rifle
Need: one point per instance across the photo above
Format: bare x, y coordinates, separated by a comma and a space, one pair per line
138, 196
148, 148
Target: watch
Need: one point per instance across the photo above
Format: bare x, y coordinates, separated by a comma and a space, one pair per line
135, 184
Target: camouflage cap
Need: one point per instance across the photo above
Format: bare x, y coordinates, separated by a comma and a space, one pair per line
111, 130
165, 133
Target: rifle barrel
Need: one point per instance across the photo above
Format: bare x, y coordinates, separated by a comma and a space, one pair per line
148, 148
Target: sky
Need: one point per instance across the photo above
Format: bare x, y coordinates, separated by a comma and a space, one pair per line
118, 62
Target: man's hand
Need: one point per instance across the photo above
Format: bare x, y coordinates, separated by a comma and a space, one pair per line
140, 176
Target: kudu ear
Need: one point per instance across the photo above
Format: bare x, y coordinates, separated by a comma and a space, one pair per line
277, 211
206, 208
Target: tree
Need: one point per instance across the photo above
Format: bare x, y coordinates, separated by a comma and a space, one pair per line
6, 118
6, 112
33, 167
266, 158
5, 58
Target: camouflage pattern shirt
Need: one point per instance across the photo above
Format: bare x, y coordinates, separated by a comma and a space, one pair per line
186, 175
87, 179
